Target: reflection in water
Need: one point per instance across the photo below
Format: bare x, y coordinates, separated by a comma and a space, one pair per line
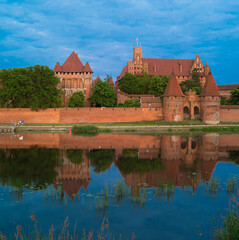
123, 174
182, 161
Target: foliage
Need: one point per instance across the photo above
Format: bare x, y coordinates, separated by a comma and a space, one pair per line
101, 159
234, 156
26, 167
133, 102
103, 95
84, 129
75, 155
144, 84
234, 99
190, 85
34, 87
131, 84
130, 162
158, 85
223, 101
194, 84
77, 99
215, 129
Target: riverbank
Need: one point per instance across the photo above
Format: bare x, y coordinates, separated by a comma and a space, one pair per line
139, 127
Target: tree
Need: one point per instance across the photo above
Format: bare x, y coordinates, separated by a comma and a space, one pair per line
133, 102
190, 85
77, 99
75, 155
103, 95
195, 77
34, 87
131, 84
234, 99
158, 85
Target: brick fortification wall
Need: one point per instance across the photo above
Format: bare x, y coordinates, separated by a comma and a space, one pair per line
81, 115
229, 113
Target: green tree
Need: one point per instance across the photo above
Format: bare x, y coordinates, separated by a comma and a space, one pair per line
190, 85
234, 99
103, 95
133, 102
34, 87
158, 85
77, 99
195, 77
131, 84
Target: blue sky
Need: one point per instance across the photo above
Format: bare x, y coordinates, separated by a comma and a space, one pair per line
103, 32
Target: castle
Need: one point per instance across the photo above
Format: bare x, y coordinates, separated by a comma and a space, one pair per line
74, 77
176, 106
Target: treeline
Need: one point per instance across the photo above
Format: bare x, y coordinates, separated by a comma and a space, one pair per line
31, 87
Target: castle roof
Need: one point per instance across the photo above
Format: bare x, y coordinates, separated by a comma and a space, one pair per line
87, 68
210, 88
72, 64
173, 89
228, 87
97, 78
111, 81
159, 66
57, 67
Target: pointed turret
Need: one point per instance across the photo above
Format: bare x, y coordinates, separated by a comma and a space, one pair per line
97, 79
111, 83
210, 87
87, 68
173, 89
57, 67
72, 64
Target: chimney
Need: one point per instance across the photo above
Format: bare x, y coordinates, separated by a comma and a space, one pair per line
155, 68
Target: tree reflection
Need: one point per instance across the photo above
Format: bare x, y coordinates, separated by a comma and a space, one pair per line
101, 159
130, 162
75, 155
34, 167
234, 156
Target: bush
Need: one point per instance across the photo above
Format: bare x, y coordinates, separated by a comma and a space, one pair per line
133, 102
77, 99
85, 129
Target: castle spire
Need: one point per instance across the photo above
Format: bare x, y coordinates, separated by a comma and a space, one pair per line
57, 67
173, 89
210, 87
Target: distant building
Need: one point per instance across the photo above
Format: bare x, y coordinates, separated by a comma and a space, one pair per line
74, 77
158, 66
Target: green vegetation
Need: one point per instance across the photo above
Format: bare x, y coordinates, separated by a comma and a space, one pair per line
216, 129
234, 99
31, 87
194, 84
130, 162
144, 84
84, 129
103, 95
234, 156
34, 167
223, 101
75, 155
77, 99
133, 102
101, 159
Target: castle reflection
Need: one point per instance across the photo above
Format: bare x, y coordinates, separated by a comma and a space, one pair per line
143, 161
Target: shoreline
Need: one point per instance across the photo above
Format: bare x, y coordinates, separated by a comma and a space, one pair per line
134, 128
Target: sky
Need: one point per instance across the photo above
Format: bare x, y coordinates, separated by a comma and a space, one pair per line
104, 32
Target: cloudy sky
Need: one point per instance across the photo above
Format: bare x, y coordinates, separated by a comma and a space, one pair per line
103, 32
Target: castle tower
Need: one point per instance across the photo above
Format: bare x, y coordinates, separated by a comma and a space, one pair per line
173, 101
74, 77
210, 101
111, 83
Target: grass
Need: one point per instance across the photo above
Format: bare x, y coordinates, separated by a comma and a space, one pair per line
84, 129
215, 129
